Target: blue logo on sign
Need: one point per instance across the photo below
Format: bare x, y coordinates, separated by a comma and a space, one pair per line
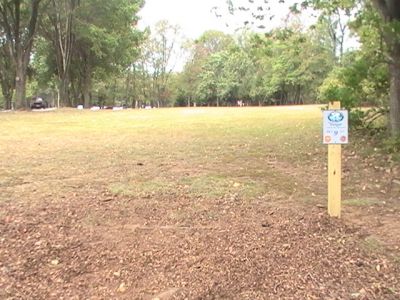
336, 116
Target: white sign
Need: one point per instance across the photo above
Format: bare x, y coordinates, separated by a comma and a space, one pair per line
336, 127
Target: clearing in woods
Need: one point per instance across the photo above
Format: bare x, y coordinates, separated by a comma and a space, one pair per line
206, 203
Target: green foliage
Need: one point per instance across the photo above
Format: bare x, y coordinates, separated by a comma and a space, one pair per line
361, 80
333, 88
194, 80
372, 119
105, 42
284, 66
359, 83
44, 64
104, 31
377, 24
222, 75
213, 41
291, 66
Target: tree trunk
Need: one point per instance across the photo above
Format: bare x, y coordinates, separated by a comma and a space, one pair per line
22, 62
75, 92
20, 86
86, 96
7, 101
7, 78
394, 68
7, 89
87, 81
63, 90
390, 12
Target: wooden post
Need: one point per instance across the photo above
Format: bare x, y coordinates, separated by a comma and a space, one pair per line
334, 174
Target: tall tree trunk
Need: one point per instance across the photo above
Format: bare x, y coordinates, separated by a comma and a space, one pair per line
7, 88
390, 12
127, 89
7, 100
394, 68
75, 92
7, 77
20, 85
85, 93
86, 85
63, 90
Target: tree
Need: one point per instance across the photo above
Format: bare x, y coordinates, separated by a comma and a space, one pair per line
141, 79
58, 27
362, 79
288, 66
335, 16
216, 80
161, 48
18, 22
209, 43
7, 74
390, 13
106, 42
223, 75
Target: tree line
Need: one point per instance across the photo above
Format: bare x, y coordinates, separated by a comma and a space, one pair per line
91, 52
64, 46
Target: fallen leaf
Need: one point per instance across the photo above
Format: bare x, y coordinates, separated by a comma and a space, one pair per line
122, 288
117, 274
55, 262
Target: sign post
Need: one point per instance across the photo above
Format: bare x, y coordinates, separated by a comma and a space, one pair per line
335, 133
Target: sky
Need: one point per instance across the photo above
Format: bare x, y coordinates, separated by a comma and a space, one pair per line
196, 16
192, 16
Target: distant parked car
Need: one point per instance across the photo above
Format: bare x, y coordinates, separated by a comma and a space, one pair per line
39, 103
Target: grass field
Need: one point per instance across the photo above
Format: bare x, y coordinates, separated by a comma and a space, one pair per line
207, 150
89, 191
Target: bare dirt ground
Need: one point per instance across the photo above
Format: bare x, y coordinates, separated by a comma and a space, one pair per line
136, 250
68, 231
